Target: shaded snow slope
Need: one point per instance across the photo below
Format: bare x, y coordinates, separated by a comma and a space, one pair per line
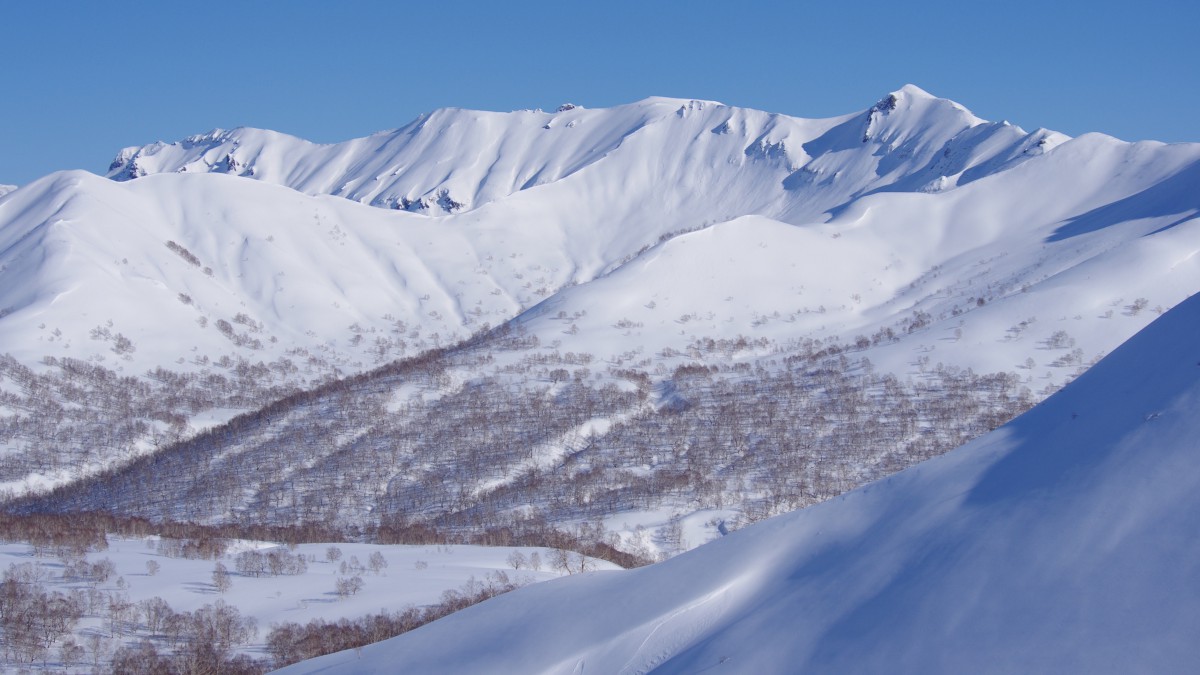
1063, 541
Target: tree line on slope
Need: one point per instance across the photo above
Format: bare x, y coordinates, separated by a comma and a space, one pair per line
487, 449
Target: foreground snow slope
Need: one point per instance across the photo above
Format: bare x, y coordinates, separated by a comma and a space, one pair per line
1062, 542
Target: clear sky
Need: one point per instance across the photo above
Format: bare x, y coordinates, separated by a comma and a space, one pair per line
81, 80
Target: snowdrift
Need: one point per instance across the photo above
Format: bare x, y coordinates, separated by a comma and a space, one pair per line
1061, 542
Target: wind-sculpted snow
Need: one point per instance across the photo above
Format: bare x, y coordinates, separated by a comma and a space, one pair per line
1061, 542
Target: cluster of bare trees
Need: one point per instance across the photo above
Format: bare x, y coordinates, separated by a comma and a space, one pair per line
203, 641
51, 533
73, 535
274, 562
73, 416
35, 619
481, 453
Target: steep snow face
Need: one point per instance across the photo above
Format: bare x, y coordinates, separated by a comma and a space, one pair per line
746, 161
1063, 541
5, 189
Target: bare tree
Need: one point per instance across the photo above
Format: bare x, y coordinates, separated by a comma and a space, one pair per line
377, 562
220, 578
333, 554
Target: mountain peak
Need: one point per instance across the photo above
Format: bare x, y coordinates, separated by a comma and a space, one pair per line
911, 111
904, 95
912, 96
913, 91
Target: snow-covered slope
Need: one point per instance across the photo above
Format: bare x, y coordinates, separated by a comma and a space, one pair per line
633, 235
165, 259
913, 205
5, 189
1062, 542
1067, 242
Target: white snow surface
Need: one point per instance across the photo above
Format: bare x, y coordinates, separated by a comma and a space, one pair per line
414, 576
824, 228
630, 234
1062, 542
454, 160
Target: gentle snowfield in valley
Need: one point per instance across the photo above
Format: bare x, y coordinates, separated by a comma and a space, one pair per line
1064, 541
415, 576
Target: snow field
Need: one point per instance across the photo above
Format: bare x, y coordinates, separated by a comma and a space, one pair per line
414, 576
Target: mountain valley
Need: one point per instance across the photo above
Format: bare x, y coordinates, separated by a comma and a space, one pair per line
630, 331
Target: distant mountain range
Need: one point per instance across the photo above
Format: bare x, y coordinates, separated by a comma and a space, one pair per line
619, 297
456, 161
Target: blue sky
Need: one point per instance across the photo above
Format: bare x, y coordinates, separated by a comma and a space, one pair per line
83, 79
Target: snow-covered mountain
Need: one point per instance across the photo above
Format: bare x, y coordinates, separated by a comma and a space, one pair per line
613, 246
894, 219
454, 161
1061, 542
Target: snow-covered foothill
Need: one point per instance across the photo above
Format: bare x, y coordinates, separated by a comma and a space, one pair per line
1061, 542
